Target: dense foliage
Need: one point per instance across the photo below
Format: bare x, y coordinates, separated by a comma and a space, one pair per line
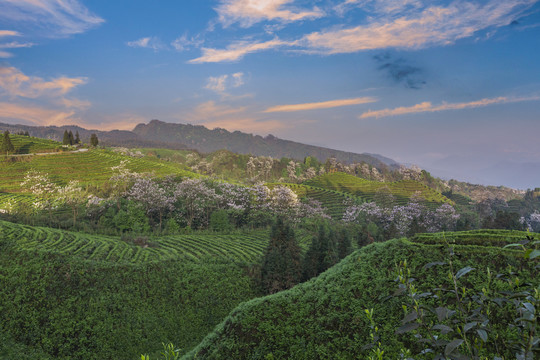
72, 296
324, 318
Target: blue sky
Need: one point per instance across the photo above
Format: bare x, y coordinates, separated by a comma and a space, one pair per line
453, 86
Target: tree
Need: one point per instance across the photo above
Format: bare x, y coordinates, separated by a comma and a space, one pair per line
7, 145
281, 267
94, 140
77, 138
65, 140
321, 255
71, 138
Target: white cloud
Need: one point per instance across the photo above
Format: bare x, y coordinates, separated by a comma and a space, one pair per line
149, 42
429, 107
321, 105
249, 12
434, 25
405, 24
222, 83
183, 43
52, 18
217, 83
237, 50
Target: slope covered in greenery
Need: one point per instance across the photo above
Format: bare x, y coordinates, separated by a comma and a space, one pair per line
368, 190
76, 296
324, 318
29, 145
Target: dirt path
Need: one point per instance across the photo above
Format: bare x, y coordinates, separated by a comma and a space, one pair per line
49, 153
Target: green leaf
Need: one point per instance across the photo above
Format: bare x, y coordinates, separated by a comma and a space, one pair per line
534, 254
410, 317
443, 328
407, 327
453, 345
464, 271
435, 263
469, 326
483, 334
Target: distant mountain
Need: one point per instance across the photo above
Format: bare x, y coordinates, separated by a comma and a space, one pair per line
206, 140
159, 134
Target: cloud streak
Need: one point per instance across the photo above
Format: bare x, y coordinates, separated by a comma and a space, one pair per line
49, 18
321, 105
429, 107
250, 12
220, 84
237, 51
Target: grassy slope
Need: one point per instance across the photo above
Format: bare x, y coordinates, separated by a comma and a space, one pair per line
366, 189
324, 318
76, 296
30, 145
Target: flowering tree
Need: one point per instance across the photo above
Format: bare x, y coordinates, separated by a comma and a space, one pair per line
74, 196
43, 188
196, 200
121, 180
404, 219
152, 198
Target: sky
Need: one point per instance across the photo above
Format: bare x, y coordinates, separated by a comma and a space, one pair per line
451, 86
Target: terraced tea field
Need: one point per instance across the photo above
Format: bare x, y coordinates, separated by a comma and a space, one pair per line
483, 237
333, 201
246, 248
366, 190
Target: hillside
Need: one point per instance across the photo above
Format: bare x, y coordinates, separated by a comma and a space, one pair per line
205, 140
324, 318
77, 296
367, 190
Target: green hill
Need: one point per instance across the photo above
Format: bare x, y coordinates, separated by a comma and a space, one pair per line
30, 145
367, 190
77, 296
324, 318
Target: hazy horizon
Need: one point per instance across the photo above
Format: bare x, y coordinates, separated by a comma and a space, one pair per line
452, 86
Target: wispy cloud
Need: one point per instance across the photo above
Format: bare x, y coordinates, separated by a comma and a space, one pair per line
249, 12
150, 42
212, 115
11, 44
434, 25
222, 83
14, 83
49, 18
429, 107
321, 105
237, 51
36, 100
183, 43
34, 114
405, 24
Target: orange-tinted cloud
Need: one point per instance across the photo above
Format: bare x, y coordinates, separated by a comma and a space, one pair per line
428, 107
321, 105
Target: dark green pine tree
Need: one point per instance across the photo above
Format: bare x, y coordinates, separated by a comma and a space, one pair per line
321, 255
94, 140
77, 138
281, 267
344, 244
71, 138
65, 140
7, 145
